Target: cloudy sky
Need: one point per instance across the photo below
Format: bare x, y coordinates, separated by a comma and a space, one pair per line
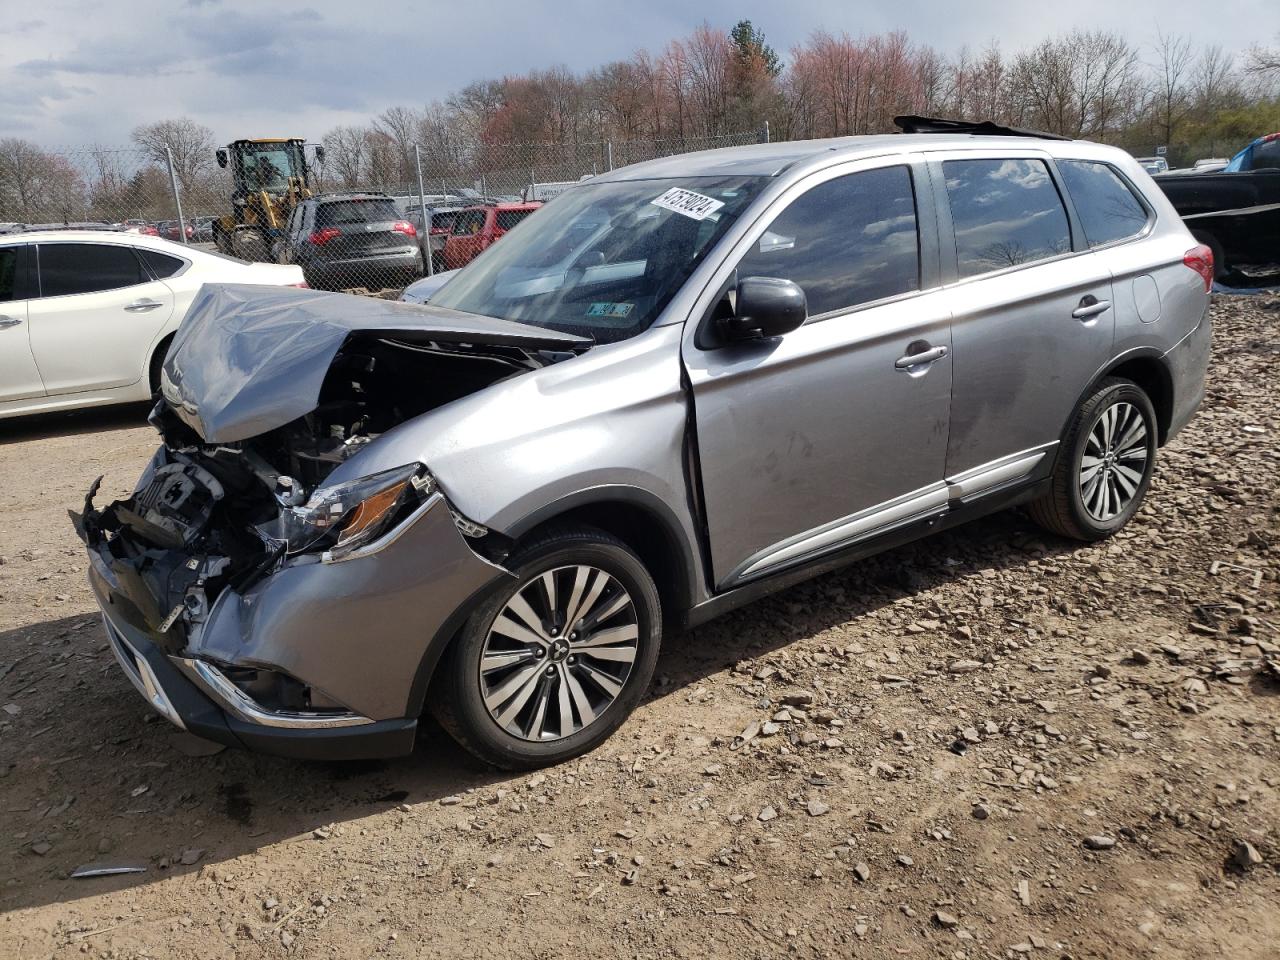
76, 72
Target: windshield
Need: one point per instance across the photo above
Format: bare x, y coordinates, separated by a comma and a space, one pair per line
603, 259
268, 166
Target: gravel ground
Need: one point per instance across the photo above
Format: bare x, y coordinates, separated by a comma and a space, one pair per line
991, 743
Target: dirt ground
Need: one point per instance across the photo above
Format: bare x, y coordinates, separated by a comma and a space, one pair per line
916, 756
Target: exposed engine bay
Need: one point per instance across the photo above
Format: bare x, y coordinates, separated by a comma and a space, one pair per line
207, 516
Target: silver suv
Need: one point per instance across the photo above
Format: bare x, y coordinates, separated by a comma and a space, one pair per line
679, 386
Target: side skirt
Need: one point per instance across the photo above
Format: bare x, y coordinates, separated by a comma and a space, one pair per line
960, 512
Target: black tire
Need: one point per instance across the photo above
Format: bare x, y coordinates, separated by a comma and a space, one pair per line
458, 698
157, 363
1063, 510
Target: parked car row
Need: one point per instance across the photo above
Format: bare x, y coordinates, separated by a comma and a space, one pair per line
344, 240
198, 229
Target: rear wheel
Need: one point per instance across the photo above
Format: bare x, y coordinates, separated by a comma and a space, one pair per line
1104, 465
550, 666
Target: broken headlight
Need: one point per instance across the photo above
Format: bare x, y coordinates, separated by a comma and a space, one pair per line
346, 516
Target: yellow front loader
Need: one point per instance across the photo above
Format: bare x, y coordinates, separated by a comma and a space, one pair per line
270, 176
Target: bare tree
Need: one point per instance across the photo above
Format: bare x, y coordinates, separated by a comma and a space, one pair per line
191, 143
1105, 71
35, 185
1169, 93
1214, 84
709, 54
399, 125
678, 81
344, 149
1264, 61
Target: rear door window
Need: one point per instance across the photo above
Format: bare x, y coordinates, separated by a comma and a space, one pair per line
71, 268
340, 212
1006, 212
1105, 204
848, 241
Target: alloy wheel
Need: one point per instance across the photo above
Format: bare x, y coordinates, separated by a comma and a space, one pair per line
1114, 461
558, 653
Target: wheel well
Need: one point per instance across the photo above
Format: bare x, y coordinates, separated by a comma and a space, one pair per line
645, 532
157, 358
1154, 379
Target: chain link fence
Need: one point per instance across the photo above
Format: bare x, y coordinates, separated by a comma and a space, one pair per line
364, 217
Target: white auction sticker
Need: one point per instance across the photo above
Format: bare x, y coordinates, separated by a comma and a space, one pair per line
687, 203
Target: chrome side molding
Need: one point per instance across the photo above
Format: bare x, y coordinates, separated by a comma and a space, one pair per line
912, 506
997, 472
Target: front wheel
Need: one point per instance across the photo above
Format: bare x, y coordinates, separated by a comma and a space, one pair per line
1104, 465
548, 667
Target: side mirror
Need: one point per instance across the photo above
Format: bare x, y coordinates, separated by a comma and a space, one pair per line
320, 155
222, 157
765, 307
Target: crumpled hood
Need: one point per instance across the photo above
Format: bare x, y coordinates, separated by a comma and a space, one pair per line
248, 359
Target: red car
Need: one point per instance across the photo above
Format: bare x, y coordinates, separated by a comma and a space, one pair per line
170, 230
475, 228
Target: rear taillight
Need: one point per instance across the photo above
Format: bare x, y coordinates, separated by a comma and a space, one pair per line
1200, 259
321, 237
405, 227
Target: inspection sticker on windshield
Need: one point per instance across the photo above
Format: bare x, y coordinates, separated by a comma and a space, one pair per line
687, 203
610, 310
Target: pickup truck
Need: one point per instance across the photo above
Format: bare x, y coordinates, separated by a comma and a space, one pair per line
1235, 212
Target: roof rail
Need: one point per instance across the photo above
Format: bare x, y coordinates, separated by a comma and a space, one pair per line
909, 123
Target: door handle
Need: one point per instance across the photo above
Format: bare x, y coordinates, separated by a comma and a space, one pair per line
1090, 307
923, 358
142, 306
6, 322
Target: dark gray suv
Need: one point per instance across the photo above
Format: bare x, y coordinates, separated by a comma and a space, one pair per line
683, 385
351, 240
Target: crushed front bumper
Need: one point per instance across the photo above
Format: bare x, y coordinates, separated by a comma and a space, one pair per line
171, 692
366, 631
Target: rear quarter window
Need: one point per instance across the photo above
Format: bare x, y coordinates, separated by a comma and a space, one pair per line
1006, 213
1104, 202
160, 264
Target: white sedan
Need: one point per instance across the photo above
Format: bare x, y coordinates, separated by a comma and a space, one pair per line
86, 317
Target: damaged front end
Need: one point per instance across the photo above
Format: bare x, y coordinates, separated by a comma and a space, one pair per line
237, 569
